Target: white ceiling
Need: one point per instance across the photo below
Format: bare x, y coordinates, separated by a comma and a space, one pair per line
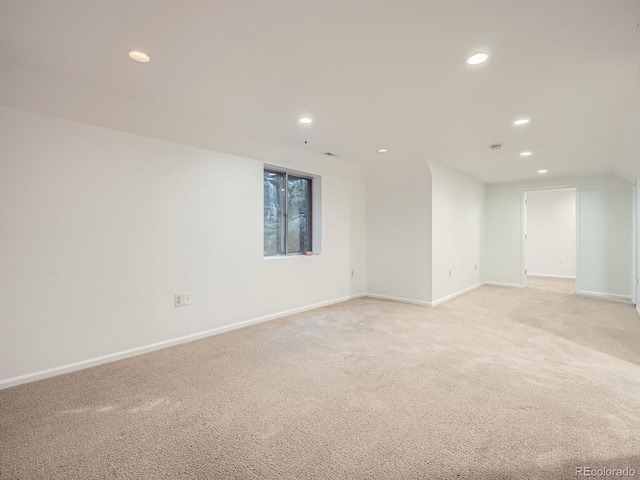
372, 73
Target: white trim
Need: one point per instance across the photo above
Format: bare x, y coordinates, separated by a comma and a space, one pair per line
550, 276
638, 309
523, 239
500, 284
399, 299
457, 294
423, 302
91, 362
610, 296
291, 255
634, 243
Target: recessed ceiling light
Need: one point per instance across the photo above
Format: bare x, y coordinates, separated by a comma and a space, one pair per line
382, 150
521, 121
477, 58
305, 120
139, 56
543, 171
525, 154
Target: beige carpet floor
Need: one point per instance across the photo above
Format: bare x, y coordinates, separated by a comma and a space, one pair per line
559, 285
499, 383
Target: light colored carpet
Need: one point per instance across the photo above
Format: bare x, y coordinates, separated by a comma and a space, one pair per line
497, 384
559, 285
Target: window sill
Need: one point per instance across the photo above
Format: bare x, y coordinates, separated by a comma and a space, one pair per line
297, 255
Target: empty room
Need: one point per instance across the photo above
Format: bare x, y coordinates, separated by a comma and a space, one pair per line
319, 240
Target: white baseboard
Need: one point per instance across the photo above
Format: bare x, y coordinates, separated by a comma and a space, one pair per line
399, 299
454, 295
638, 309
609, 296
550, 276
92, 362
423, 302
499, 284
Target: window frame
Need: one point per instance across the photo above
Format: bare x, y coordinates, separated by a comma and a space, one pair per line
287, 173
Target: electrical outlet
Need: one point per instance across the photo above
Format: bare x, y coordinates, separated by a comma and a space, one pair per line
476, 266
449, 273
178, 300
353, 273
187, 298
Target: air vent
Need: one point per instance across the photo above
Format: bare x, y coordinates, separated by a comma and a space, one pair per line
497, 146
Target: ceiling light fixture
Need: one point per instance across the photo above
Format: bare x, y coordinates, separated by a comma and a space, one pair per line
543, 171
521, 121
382, 150
305, 120
525, 154
477, 58
139, 56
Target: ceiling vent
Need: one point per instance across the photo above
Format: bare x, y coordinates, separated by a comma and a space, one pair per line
497, 146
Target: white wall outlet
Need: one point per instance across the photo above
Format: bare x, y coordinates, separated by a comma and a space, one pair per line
449, 272
187, 298
353, 273
476, 266
178, 300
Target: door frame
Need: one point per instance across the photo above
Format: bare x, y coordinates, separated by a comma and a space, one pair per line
634, 245
523, 227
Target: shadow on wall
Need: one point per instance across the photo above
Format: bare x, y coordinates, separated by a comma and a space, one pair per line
594, 240
605, 235
398, 225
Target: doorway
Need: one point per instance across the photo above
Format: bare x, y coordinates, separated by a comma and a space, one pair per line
550, 246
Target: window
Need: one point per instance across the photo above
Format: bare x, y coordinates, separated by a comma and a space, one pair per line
287, 213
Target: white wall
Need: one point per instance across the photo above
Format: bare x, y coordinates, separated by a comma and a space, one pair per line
423, 219
550, 248
399, 230
458, 209
604, 225
100, 228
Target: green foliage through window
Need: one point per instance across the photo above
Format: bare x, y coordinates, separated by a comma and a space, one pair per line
287, 213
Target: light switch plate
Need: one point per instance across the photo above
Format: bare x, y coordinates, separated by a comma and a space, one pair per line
177, 300
187, 298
